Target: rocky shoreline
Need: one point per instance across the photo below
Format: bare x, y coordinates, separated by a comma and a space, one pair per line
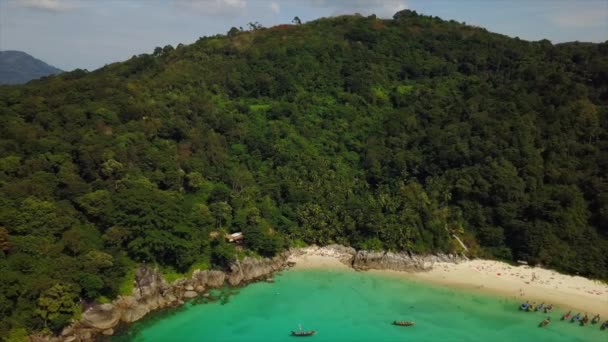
152, 292
372, 260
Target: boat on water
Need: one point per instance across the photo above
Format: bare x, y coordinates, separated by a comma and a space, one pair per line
604, 325
302, 333
566, 315
524, 306
576, 318
549, 308
404, 323
596, 319
539, 307
545, 322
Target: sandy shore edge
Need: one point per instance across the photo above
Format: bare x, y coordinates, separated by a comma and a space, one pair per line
494, 277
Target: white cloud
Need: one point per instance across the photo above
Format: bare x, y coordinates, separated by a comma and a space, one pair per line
391, 7
579, 19
275, 7
212, 7
381, 8
44, 5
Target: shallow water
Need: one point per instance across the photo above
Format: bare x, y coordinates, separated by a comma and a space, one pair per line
355, 306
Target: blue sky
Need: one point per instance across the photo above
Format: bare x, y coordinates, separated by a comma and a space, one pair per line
88, 34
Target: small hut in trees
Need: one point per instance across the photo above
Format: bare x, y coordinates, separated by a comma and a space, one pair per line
235, 237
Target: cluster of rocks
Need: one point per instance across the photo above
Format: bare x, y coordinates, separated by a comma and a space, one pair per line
250, 269
152, 292
366, 260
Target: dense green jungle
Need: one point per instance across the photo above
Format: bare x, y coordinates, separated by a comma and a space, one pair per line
382, 134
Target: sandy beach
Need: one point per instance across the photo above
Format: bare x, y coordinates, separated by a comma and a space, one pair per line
518, 282
319, 257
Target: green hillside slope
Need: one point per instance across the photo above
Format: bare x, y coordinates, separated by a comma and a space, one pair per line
380, 134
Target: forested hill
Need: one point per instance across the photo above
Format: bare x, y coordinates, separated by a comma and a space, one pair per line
380, 134
18, 67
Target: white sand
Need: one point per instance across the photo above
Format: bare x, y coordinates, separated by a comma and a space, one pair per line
318, 257
522, 282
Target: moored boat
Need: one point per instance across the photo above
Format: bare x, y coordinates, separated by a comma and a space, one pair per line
584, 320
404, 323
545, 322
604, 325
576, 318
302, 333
524, 306
596, 319
549, 308
566, 315
539, 307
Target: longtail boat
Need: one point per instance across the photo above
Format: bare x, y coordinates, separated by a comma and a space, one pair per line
576, 318
539, 307
545, 322
566, 315
549, 308
302, 333
524, 306
404, 323
596, 319
604, 325
584, 320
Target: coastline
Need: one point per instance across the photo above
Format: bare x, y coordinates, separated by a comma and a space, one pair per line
520, 283
152, 293
344, 305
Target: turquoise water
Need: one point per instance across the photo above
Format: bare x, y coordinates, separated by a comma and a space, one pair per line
354, 306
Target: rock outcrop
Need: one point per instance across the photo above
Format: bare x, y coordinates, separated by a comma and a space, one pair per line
101, 317
251, 269
366, 260
152, 292
190, 294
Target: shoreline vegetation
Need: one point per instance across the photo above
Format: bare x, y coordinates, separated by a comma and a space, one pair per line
152, 292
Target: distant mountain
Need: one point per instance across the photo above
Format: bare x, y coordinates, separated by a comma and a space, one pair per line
18, 67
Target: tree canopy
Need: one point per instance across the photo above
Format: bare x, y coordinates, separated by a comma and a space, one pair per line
379, 134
